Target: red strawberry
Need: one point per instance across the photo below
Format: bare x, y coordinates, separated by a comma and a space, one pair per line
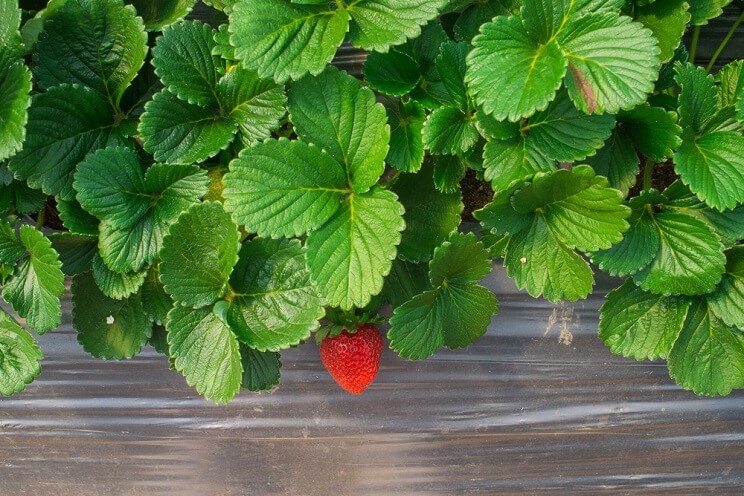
353, 359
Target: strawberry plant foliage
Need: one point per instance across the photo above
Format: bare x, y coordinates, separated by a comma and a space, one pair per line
225, 191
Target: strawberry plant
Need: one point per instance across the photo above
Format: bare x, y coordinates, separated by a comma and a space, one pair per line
224, 191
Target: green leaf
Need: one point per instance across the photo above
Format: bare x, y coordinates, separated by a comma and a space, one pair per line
393, 73
333, 112
177, 132
667, 19
708, 356
350, 254
113, 284
19, 197
449, 131
20, 356
617, 160
406, 151
282, 40
161, 13
492, 129
224, 5
35, 288
155, 301
448, 172
652, 130
110, 184
275, 305
136, 210
379, 24
76, 251
539, 262
641, 325
76, 219
713, 167
430, 215
563, 133
206, 352
704, 10
456, 312
199, 254
11, 249
473, 17
284, 188
698, 97
727, 301
172, 189
182, 57
101, 45
452, 66
424, 49
64, 125
15, 86
506, 161
578, 204
222, 47
510, 74
500, 217
731, 79
405, 281
255, 104
11, 21
638, 248
107, 328
690, 258
612, 62
260, 369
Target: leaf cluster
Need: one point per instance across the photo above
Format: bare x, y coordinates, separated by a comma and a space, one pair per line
225, 191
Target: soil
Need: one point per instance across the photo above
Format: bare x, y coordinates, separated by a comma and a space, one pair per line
663, 176
475, 195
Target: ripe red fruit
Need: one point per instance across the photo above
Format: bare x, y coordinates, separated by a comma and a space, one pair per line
353, 359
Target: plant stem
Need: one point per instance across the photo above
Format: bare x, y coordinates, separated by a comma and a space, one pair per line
694, 44
40, 216
724, 42
648, 170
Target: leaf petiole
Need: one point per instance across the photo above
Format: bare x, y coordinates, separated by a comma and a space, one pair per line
724, 42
